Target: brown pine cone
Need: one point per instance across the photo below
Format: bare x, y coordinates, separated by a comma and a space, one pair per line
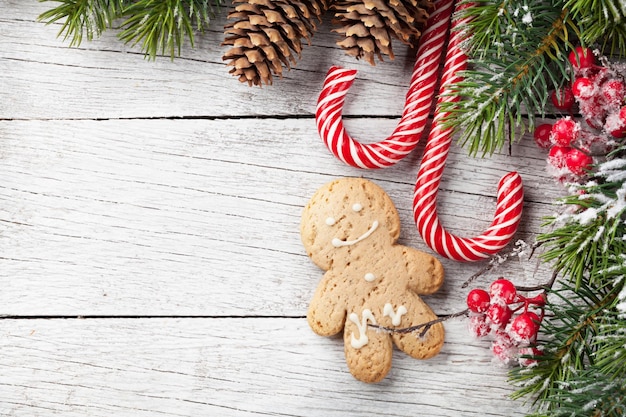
266, 34
369, 25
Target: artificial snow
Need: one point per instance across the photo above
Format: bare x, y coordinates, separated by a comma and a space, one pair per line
621, 306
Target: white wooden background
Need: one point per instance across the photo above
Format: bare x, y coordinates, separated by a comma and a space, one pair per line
150, 260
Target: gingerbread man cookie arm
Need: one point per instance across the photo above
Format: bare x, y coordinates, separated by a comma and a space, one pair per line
327, 311
425, 272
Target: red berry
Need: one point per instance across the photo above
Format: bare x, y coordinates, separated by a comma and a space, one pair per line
583, 88
499, 315
594, 112
524, 327
578, 162
598, 74
619, 133
527, 356
503, 347
478, 300
542, 135
564, 131
615, 124
478, 325
503, 290
591, 124
582, 58
613, 92
563, 98
556, 156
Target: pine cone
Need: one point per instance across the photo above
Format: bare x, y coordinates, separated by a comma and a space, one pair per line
369, 25
266, 34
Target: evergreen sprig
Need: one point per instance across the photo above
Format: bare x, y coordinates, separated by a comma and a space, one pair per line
160, 26
83, 17
582, 370
574, 376
589, 394
518, 54
569, 348
590, 236
601, 22
518, 50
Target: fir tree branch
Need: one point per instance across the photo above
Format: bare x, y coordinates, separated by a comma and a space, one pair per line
610, 346
517, 55
602, 22
83, 17
590, 237
589, 394
582, 370
162, 26
571, 330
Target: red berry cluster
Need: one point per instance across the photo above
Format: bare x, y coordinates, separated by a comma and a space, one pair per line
600, 93
505, 315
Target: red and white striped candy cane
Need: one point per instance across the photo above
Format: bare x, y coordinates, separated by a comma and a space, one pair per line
417, 105
510, 192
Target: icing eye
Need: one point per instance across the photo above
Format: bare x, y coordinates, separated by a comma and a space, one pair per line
330, 221
357, 207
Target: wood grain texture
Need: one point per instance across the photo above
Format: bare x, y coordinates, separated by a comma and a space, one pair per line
199, 217
229, 367
89, 81
161, 201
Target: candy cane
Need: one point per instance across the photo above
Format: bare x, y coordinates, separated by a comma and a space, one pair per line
510, 192
417, 105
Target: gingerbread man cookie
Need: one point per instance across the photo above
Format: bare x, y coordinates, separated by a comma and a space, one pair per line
349, 229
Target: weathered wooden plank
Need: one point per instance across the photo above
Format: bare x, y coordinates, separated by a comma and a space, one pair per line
43, 79
112, 206
201, 217
230, 367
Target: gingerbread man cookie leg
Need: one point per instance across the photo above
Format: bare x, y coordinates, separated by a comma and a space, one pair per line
349, 229
413, 344
368, 351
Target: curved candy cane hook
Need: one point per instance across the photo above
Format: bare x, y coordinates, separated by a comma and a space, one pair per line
510, 192
417, 105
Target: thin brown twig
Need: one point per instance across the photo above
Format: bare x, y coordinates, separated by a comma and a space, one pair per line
423, 326
548, 285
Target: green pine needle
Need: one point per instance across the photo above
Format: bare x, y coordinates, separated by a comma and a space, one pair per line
583, 369
161, 26
590, 237
575, 346
601, 22
517, 50
83, 17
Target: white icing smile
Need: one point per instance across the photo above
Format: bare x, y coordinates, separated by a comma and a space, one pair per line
338, 242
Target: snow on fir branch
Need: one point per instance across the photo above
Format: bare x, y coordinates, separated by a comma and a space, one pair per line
581, 370
518, 52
